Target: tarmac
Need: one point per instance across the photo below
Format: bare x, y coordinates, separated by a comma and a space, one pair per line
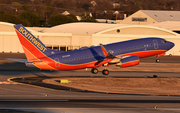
30, 94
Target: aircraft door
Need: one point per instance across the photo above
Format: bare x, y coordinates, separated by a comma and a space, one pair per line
155, 44
57, 64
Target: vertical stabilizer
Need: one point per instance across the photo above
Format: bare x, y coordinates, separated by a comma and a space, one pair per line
33, 47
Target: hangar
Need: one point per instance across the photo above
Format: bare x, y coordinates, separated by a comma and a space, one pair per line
76, 35
170, 25
144, 17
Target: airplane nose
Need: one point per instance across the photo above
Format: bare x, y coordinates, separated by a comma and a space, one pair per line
171, 45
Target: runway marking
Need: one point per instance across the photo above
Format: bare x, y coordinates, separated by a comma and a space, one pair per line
7, 82
34, 100
40, 108
23, 91
9, 79
155, 107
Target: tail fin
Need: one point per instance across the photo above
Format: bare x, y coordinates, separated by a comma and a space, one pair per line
33, 47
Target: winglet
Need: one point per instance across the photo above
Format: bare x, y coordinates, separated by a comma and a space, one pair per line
104, 50
106, 54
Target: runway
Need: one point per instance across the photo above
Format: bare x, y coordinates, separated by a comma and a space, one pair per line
38, 99
42, 99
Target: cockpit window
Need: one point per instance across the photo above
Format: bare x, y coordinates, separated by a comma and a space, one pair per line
163, 41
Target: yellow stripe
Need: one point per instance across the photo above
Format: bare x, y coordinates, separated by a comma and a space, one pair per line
36, 47
116, 56
37, 58
79, 64
30, 42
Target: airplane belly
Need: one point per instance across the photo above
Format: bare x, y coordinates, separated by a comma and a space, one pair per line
84, 65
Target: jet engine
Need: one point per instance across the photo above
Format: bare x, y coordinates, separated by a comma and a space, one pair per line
128, 61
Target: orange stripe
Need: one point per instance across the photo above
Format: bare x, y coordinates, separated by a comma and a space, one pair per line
40, 65
104, 50
26, 43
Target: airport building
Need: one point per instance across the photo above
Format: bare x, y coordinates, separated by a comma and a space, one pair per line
76, 35
144, 17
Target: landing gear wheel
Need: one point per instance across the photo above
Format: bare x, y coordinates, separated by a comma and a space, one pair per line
94, 70
157, 60
105, 72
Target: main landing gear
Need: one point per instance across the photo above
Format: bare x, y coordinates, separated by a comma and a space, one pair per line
95, 71
105, 72
157, 60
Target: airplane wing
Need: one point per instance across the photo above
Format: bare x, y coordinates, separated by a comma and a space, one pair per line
17, 60
105, 52
123, 62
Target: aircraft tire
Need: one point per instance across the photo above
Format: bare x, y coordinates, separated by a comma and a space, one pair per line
94, 70
157, 60
105, 72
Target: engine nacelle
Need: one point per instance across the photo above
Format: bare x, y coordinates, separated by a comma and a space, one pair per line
30, 64
128, 61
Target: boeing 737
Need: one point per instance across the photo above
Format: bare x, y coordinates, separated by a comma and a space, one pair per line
122, 54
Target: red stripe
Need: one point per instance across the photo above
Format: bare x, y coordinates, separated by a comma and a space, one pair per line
128, 64
82, 66
143, 54
104, 51
49, 63
32, 53
30, 47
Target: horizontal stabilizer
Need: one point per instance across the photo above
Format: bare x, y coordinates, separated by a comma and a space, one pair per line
17, 60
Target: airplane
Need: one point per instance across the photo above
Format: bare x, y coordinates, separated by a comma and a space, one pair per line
122, 54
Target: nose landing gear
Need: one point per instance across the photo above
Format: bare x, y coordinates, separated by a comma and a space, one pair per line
157, 60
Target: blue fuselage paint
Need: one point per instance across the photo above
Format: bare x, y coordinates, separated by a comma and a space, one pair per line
137, 46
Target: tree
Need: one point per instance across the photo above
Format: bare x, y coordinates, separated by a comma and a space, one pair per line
16, 5
13, 18
34, 19
87, 18
61, 19
25, 7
